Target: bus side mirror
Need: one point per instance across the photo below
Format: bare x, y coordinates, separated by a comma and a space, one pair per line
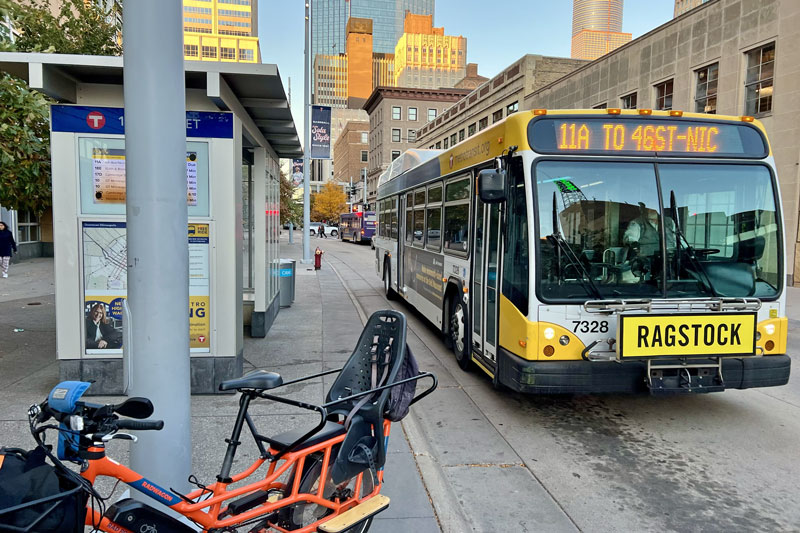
492, 186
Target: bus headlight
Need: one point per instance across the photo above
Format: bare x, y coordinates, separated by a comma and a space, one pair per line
758, 335
549, 333
770, 329
563, 340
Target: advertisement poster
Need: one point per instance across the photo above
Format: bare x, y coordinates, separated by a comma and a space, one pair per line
106, 286
426, 270
297, 172
320, 132
108, 176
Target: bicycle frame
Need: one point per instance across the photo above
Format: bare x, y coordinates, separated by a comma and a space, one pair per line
205, 505
220, 494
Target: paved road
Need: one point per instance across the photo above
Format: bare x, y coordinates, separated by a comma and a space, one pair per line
509, 462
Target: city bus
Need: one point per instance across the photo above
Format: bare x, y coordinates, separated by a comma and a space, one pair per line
593, 251
358, 226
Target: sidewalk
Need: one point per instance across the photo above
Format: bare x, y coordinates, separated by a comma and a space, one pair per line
318, 332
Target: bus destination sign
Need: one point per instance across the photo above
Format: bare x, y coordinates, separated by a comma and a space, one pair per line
628, 136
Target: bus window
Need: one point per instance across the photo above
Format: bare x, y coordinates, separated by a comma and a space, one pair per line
419, 225
434, 232
515, 262
456, 216
728, 216
393, 222
435, 194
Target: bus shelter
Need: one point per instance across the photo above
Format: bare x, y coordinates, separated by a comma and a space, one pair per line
238, 126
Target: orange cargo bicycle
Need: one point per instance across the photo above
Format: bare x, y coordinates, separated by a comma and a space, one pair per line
325, 479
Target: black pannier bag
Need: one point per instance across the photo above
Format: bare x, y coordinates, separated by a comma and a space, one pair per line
38, 497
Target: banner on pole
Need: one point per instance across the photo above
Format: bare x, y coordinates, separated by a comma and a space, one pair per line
297, 172
320, 132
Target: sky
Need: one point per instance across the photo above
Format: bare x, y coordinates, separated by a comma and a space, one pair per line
496, 36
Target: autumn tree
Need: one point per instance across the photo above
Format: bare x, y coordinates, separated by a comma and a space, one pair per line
329, 203
78, 28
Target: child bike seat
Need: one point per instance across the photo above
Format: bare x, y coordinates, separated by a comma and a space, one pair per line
255, 380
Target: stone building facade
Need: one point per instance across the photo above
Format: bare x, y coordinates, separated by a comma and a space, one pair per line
732, 57
351, 154
494, 100
395, 114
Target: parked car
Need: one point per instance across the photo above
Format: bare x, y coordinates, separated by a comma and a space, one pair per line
331, 231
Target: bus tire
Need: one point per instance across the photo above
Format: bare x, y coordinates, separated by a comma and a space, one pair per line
387, 280
458, 333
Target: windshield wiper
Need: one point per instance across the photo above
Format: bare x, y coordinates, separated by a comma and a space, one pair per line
689, 249
564, 246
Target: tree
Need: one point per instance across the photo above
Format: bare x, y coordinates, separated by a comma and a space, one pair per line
291, 210
329, 203
79, 28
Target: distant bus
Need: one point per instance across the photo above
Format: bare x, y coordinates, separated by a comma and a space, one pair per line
357, 227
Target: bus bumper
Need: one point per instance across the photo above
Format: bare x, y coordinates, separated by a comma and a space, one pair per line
585, 377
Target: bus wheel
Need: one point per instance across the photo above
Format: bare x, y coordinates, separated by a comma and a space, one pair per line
387, 280
459, 331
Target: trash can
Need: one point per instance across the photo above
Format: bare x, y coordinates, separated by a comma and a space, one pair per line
287, 276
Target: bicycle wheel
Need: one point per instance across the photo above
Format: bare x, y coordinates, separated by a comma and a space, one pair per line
304, 514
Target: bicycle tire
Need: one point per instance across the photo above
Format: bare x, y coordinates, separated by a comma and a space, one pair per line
302, 514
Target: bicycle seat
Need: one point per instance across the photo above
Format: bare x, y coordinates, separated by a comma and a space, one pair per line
256, 380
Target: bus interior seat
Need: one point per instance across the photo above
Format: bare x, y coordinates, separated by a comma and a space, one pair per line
749, 250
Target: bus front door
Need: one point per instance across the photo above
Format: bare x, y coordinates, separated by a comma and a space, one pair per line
485, 275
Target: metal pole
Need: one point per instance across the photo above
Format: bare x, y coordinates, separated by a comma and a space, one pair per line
307, 141
365, 187
158, 248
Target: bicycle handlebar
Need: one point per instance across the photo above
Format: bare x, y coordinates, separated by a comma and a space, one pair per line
142, 425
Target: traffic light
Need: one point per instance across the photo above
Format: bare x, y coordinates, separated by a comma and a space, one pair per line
352, 190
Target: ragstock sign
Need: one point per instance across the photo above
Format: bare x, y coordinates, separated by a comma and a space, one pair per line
320, 132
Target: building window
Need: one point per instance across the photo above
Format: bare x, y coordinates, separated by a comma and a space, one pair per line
364, 138
471, 130
364, 156
412, 135
453, 139
412, 113
190, 50
397, 112
439, 145
27, 227
395, 135
497, 116
512, 108
482, 123
227, 53
395, 154
601, 106
245, 55
706, 94
461, 135
210, 51
431, 114
629, 101
758, 84
664, 95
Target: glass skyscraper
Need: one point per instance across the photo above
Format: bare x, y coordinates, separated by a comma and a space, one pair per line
329, 20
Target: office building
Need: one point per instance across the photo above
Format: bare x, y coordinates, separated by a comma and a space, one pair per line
492, 100
731, 57
221, 30
329, 22
682, 6
351, 155
596, 28
426, 58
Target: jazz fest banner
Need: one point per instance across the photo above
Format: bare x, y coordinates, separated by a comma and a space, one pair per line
320, 132
106, 286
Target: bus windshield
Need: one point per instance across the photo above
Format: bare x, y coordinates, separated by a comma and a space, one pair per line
605, 233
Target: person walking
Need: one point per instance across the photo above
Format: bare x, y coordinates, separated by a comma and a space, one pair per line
7, 244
